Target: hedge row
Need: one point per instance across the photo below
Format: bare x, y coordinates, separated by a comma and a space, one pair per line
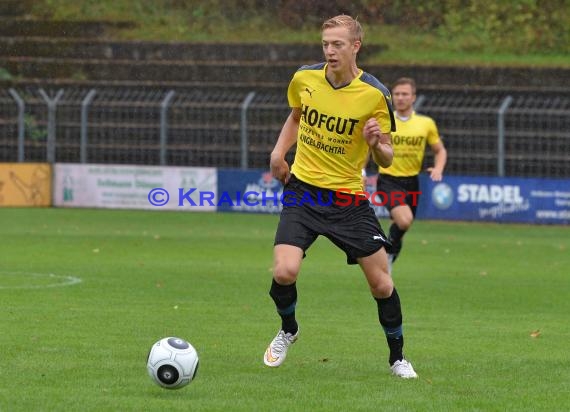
519, 26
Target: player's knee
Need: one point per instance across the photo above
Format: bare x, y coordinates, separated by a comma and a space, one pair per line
285, 273
383, 287
405, 222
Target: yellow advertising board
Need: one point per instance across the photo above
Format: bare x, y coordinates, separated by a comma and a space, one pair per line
25, 184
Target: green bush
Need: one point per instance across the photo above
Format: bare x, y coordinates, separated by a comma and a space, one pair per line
515, 26
519, 26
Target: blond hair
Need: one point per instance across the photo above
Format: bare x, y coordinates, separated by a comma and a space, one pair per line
353, 26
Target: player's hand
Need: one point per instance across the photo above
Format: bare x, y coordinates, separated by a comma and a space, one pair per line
371, 132
279, 169
435, 174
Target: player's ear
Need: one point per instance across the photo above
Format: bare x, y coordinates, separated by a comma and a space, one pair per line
356, 46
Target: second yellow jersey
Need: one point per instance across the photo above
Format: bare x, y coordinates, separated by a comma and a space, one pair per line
331, 150
409, 143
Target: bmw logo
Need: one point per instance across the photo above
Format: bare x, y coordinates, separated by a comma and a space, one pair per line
442, 196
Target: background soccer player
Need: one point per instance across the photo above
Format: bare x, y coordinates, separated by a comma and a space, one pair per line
413, 133
339, 113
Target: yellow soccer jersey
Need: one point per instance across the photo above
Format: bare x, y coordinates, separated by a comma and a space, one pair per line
409, 144
331, 150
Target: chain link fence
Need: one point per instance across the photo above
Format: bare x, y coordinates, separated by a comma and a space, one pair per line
487, 134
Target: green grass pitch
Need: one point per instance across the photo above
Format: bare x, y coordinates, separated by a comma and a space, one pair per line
486, 316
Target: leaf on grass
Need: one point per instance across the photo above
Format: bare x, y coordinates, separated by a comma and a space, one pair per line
535, 333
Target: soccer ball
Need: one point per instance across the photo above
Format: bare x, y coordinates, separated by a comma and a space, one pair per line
172, 363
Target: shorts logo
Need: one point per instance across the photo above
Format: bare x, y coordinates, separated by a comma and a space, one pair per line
442, 196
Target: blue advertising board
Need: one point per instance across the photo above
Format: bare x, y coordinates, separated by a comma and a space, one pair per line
494, 199
467, 198
251, 191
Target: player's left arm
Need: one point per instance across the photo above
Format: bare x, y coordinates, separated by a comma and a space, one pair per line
438, 149
380, 143
378, 130
440, 159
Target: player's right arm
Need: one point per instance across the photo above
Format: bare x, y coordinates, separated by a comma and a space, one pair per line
287, 138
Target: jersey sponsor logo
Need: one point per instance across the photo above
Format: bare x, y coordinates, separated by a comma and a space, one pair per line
333, 124
310, 91
321, 146
407, 140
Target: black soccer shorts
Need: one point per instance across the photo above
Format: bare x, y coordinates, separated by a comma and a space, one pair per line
397, 188
310, 211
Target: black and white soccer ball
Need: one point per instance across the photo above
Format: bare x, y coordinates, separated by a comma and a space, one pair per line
172, 363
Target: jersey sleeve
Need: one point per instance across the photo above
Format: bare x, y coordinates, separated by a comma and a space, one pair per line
385, 115
432, 133
294, 92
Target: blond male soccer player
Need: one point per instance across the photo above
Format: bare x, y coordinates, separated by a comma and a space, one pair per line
339, 113
413, 133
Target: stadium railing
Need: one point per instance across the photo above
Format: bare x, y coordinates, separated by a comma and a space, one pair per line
486, 133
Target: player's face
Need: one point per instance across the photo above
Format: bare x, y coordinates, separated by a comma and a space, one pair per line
403, 97
339, 49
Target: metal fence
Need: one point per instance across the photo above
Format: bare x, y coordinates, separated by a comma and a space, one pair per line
486, 133
498, 135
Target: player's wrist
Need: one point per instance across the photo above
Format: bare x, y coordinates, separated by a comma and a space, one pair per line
384, 155
383, 148
276, 155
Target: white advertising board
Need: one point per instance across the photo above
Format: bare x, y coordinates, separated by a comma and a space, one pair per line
135, 187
